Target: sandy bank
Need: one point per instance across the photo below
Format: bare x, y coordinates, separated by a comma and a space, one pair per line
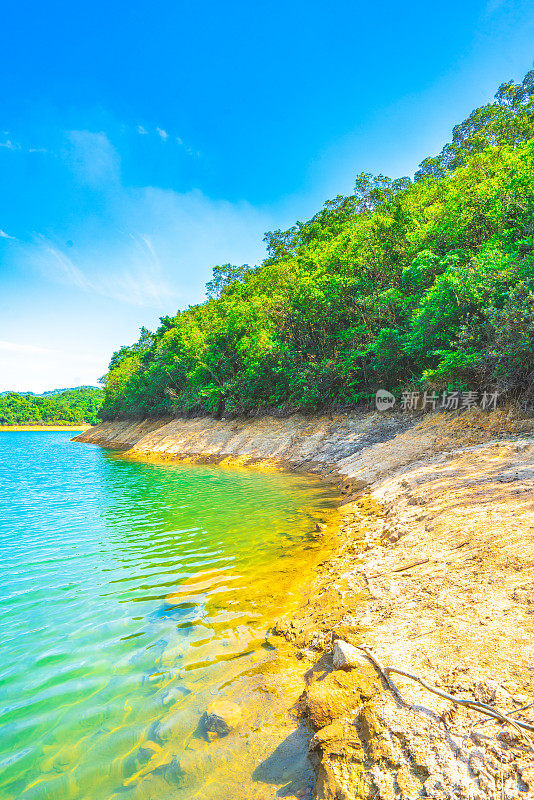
434, 570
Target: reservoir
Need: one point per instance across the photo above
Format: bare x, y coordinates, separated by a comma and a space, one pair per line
133, 594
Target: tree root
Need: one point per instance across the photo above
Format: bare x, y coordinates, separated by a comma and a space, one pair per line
519, 726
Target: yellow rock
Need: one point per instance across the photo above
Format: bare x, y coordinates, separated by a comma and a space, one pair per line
221, 717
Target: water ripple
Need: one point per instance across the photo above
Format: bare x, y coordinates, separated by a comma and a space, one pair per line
129, 592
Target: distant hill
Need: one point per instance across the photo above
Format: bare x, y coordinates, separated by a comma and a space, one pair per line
79, 404
50, 393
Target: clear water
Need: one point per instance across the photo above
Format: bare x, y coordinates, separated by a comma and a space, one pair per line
131, 595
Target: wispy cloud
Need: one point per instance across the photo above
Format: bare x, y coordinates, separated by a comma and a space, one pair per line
141, 246
166, 137
9, 144
4, 235
58, 264
117, 248
129, 274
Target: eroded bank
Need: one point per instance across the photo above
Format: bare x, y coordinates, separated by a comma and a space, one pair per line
434, 570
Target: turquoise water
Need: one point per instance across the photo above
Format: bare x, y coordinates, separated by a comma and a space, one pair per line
131, 595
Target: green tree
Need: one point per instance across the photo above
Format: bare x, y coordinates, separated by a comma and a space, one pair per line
425, 283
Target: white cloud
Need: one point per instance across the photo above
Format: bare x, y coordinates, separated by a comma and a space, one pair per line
25, 368
4, 235
10, 145
16, 347
141, 130
164, 135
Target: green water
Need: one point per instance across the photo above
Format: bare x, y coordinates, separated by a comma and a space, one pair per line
131, 595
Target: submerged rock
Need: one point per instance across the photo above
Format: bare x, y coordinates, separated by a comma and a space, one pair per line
220, 718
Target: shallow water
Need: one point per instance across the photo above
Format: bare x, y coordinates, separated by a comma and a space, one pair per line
131, 595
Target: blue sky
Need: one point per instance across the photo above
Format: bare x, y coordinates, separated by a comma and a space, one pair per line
143, 143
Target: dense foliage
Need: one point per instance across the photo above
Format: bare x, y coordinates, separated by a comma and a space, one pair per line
424, 284
68, 405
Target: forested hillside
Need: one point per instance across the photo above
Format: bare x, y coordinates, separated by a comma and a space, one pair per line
68, 405
404, 284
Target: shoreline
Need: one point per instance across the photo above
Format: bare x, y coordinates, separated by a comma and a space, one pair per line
41, 428
433, 568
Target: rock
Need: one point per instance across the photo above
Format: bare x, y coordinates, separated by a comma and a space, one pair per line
527, 774
486, 691
476, 762
525, 595
320, 526
317, 642
489, 691
336, 694
345, 656
284, 627
307, 653
163, 728
220, 718
512, 739
436, 788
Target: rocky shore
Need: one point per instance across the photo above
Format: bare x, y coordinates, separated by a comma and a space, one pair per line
433, 570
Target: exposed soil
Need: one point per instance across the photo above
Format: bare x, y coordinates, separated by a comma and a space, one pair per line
434, 570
